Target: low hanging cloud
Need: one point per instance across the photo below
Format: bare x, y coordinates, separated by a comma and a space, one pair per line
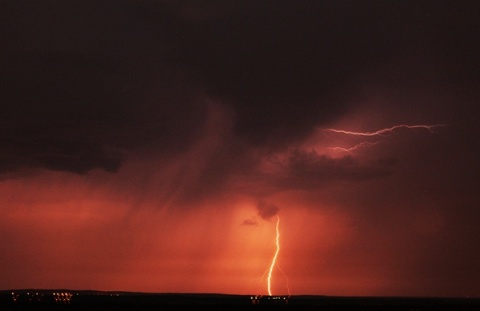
309, 165
250, 222
310, 170
267, 210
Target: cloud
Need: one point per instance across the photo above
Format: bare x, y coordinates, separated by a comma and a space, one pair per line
128, 74
308, 170
77, 113
84, 84
250, 222
267, 210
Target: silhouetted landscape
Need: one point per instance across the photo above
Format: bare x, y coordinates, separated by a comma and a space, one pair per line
61, 299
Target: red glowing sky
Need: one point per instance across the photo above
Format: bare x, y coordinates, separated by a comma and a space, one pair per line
147, 146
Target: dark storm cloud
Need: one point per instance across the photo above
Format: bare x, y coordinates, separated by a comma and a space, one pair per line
79, 87
285, 66
309, 170
74, 113
267, 210
83, 81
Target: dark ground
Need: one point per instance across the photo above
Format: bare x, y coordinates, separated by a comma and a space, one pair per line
94, 300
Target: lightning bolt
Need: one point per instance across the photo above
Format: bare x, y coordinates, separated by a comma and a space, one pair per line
357, 146
382, 133
388, 130
274, 259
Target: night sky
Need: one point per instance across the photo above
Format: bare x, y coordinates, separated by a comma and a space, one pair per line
150, 145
